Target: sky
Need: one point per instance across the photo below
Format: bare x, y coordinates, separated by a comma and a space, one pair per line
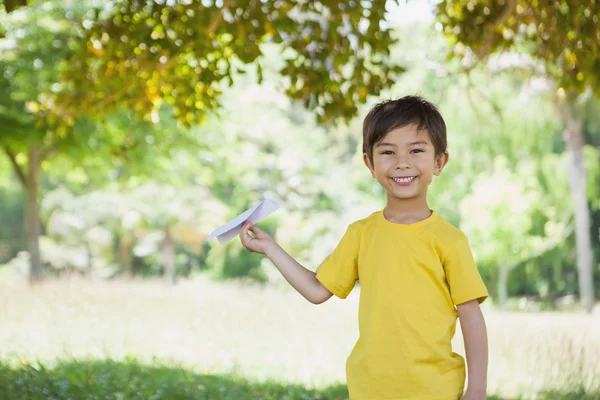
410, 11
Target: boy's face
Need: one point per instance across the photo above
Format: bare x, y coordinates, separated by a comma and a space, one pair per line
404, 163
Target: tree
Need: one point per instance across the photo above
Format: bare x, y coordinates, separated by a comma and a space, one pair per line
144, 53
562, 40
90, 222
171, 215
36, 41
76, 222
33, 45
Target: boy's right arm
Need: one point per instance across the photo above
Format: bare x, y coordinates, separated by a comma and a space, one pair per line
301, 279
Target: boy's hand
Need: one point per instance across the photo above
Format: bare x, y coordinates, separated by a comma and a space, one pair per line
261, 241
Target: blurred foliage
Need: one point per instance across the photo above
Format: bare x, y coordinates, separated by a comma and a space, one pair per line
563, 35
12, 236
504, 206
38, 40
145, 53
509, 219
11, 5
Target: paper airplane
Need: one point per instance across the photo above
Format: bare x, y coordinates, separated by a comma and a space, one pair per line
255, 214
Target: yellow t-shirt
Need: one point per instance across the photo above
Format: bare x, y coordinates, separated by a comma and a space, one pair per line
411, 277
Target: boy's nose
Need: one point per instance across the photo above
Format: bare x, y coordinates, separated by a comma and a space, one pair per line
402, 164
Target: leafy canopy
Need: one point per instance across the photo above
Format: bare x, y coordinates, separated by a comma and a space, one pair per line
564, 35
143, 53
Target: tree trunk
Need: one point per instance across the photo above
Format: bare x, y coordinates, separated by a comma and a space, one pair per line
169, 257
32, 214
125, 259
502, 286
90, 259
573, 137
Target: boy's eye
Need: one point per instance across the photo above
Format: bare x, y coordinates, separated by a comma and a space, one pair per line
416, 151
387, 152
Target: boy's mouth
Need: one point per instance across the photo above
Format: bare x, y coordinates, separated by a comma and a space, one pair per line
404, 181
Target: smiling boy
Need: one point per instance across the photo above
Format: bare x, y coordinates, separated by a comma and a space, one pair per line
416, 271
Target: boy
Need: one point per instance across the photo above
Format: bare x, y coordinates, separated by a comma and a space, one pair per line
416, 271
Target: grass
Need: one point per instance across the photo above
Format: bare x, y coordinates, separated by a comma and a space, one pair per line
132, 380
201, 339
110, 380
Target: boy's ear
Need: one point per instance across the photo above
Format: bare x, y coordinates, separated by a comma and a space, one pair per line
367, 162
440, 163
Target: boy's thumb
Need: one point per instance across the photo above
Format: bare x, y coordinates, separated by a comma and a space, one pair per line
255, 229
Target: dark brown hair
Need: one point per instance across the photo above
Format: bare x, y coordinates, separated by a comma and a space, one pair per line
392, 114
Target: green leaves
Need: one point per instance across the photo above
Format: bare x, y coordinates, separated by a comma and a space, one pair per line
497, 215
11, 5
563, 35
132, 380
145, 53
35, 43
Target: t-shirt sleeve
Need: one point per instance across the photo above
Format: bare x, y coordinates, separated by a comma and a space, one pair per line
339, 271
462, 275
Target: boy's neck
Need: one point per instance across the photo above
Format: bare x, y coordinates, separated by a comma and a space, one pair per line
406, 212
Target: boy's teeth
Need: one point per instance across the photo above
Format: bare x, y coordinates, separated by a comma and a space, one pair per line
404, 180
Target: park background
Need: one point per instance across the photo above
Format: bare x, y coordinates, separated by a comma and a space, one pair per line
129, 130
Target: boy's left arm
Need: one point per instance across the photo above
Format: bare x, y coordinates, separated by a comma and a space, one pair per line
476, 347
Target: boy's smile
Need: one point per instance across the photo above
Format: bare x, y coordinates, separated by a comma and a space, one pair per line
404, 163
404, 181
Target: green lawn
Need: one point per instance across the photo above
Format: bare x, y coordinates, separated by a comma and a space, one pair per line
132, 380
205, 340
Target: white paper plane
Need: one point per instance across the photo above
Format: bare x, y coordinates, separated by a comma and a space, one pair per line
255, 214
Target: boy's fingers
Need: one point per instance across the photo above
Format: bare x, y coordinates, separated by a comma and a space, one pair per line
244, 235
245, 238
257, 231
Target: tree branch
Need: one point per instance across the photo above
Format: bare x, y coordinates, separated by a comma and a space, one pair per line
49, 152
473, 87
16, 166
547, 247
113, 96
509, 8
11, 5
216, 20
